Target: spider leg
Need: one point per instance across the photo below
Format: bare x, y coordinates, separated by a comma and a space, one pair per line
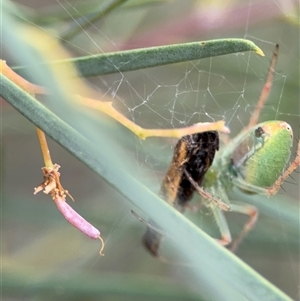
148, 224
249, 210
223, 227
252, 212
153, 236
226, 238
243, 185
265, 91
207, 195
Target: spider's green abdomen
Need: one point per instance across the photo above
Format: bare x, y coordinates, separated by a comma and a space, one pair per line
261, 154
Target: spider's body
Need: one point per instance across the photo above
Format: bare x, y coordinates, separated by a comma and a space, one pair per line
254, 161
255, 158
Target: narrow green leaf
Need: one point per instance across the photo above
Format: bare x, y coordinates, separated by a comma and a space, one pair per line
122, 61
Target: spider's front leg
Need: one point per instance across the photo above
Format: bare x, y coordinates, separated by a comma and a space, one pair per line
265, 92
207, 195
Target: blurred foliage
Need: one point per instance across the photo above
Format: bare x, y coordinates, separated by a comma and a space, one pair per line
42, 256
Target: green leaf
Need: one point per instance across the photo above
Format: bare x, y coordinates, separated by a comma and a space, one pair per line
130, 60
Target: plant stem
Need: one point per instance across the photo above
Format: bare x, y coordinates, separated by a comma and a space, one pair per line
108, 109
45, 149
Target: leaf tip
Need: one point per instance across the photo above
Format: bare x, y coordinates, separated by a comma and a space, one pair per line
259, 51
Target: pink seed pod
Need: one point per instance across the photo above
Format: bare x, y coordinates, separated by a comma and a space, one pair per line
78, 221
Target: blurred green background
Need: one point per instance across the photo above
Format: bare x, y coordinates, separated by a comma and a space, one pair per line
43, 257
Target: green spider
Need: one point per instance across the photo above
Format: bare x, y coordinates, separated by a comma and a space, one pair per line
254, 161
